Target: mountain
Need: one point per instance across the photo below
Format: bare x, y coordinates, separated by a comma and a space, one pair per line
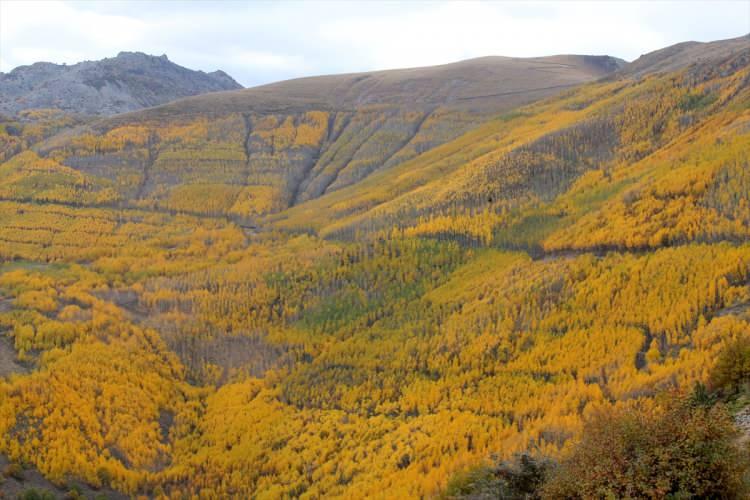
128, 82
328, 289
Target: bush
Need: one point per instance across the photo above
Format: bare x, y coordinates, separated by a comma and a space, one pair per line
519, 478
36, 494
676, 449
731, 374
478, 482
104, 477
75, 492
702, 397
522, 477
15, 471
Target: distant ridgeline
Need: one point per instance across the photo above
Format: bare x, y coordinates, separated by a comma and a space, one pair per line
360, 285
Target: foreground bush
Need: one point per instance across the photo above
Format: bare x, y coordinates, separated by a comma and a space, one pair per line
675, 449
731, 374
519, 478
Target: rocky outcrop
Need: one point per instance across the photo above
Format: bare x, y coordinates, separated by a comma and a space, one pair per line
128, 82
742, 421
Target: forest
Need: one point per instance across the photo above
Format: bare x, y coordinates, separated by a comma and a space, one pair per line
385, 302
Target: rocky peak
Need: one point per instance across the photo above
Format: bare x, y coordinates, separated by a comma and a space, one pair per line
126, 82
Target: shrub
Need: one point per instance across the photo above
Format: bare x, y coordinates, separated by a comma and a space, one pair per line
731, 374
104, 476
522, 477
702, 397
675, 449
75, 492
15, 471
36, 494
476, 482
519, 478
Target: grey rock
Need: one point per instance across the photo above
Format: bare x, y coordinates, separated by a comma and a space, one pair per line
742, 420
128, 82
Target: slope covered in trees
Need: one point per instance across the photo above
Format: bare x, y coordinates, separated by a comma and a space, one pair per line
559, 159
489, 294
257, 151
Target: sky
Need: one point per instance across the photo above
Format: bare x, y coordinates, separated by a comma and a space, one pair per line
262, 42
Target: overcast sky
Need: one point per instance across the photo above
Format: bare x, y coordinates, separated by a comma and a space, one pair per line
262, 42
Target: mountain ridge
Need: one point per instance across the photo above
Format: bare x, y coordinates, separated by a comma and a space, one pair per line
473, 77
682, 54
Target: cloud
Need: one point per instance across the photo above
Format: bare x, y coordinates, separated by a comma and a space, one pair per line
58, 32
263, 42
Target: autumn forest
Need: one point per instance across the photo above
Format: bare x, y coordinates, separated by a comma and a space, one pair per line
283, 294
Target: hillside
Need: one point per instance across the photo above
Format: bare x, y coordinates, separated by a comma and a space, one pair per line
537, 152
294, 291
683, 54
499, 83
257, 151
127, 82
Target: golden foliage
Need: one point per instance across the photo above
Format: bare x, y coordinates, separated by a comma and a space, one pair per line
480, 297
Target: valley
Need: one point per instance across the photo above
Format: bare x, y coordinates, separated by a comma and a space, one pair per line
369, 285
